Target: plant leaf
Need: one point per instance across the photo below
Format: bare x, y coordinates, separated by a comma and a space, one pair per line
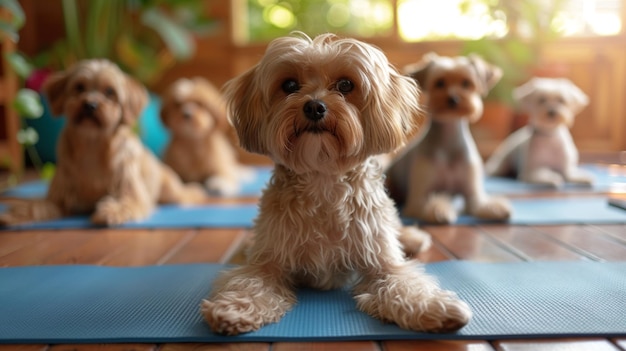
177, 39
27, 136
19, 64
27, 103
16, 11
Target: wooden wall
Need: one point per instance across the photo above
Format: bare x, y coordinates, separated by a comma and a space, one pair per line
596, 65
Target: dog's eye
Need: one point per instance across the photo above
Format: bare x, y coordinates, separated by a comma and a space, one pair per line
344, 86
440, 83
542, 100
79, 87
466, 83
109, 92
290, 86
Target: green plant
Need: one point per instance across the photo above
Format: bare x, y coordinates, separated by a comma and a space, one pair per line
530, 26
144, 37
27, 102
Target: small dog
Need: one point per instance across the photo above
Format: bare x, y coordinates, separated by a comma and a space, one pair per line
543, 151
199, 150
102, 168
321, 109
445, 161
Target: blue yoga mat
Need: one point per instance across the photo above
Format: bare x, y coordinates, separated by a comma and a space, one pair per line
552, 211
39, 188
95, 304
605, 180
544, 211
166, 217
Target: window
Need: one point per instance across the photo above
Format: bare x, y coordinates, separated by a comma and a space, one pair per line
419, 20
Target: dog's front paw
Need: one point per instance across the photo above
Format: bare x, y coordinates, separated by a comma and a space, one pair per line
545, 177
439, 209
580, 177
414, 240
220, 186
24, 211
441, 312
230, 318
111, 212
493, 209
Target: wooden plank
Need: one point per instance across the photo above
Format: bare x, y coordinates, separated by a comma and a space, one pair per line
216, 347
468, 243
436, 345
206, 246
11, 241
617, 231
31, 347
555, 345
589, 241
48, 246
143, 247
530, 243
326, 346
103, 347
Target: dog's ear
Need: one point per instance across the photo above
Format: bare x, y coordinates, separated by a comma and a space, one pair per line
245, 110
136, 101
54, 89
488, 74
166, 105
419, 70
523, 94
213, 101
575, 98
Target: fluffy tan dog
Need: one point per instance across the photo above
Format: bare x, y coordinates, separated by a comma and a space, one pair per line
543, 151
102, 166
199, 149
446, 162
322, 109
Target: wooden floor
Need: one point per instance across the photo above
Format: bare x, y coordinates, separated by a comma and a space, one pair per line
490, 243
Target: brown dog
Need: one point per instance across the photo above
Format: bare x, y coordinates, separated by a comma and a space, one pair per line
103, 168
322, 109
199, 149
446, 162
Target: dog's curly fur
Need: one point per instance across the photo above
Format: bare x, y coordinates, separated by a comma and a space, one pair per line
543, 152
102, 169
445, 162
322, 109
199, 150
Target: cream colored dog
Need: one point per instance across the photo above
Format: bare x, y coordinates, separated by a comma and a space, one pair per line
322, 109
199, 150
543, 151
103, 169
446, 162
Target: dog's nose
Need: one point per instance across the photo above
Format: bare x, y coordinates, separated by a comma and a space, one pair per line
453, 101
89, 107
315, 110
552, 113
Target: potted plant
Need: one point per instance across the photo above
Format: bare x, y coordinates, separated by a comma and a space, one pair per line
144, 37
26, 102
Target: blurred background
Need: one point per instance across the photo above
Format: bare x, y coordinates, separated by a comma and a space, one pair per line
158, 41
